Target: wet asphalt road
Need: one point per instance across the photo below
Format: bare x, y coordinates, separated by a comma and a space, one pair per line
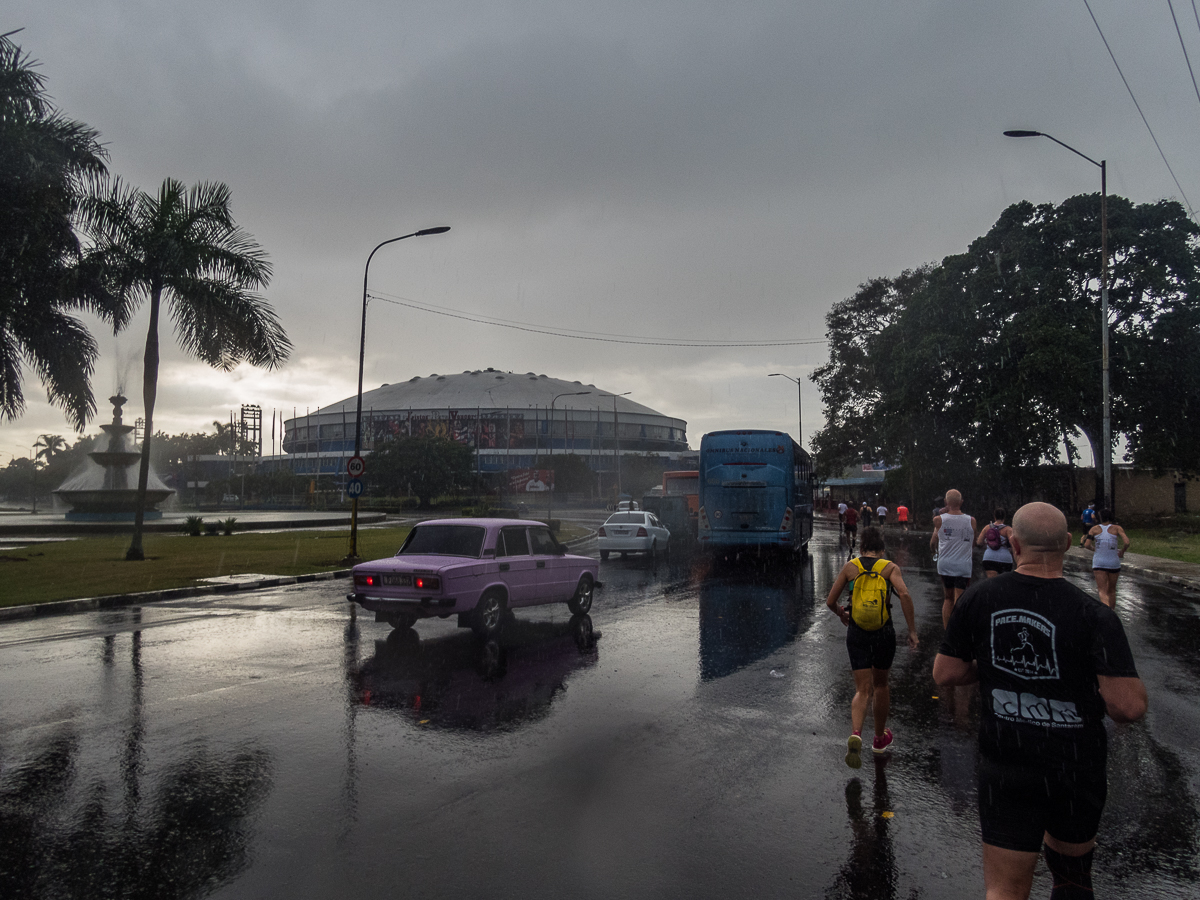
274, 745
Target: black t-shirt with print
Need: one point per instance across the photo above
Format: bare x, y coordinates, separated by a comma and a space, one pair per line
1039, 643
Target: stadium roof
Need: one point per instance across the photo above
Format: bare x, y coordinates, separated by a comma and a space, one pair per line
489, 389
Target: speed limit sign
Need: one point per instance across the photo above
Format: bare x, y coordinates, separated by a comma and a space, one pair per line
355, 466
354, 488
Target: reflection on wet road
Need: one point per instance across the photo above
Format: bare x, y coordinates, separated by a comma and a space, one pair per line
686, 739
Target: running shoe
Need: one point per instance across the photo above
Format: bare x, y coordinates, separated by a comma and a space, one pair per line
854, 742
882, 742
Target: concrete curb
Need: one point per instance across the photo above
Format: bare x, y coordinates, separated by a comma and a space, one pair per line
89, 604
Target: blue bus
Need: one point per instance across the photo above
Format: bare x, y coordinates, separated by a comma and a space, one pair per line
756, 491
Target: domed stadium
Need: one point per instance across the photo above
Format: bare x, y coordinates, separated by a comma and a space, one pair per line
510, 418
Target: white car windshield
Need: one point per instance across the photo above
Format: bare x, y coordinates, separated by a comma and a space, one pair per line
444, 540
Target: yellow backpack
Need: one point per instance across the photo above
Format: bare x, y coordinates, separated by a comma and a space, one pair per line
869, 601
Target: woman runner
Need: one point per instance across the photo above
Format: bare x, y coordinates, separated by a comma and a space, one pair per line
871, 652
998, 559
1106, 563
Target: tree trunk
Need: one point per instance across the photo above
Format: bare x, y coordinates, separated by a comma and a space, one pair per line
149, 393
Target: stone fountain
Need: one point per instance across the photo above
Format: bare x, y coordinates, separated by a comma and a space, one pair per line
106, 491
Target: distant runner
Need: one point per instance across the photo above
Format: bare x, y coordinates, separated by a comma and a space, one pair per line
994, 538
881, 512
953, 534
871, 636
1106, 564
851, 526
865, 514
842, 516
902, 515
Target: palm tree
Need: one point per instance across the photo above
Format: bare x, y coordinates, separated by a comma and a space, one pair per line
44, 159
51, 444
183, 245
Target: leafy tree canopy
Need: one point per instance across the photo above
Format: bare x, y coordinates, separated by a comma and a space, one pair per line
429, 466
991, 359
45, 160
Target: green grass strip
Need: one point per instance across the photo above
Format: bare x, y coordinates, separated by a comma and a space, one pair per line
96, 566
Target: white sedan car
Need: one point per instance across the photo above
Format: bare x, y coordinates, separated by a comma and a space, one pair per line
633, 532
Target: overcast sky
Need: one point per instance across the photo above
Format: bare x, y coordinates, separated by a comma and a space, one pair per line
680, 170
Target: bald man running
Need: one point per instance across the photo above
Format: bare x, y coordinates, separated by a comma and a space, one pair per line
953, 539
1050, 661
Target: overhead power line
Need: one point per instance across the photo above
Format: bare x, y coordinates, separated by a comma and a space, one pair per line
1183, 46
600, 337
1145, 121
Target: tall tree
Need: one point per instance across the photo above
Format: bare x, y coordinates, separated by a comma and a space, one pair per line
430, 466
990, 358
183, 245
44, 160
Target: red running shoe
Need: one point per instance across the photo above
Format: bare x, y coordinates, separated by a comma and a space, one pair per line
882, 742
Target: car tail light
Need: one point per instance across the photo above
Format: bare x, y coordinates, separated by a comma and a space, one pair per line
601, 532
786, 524
703, 525
426, 583
642, 533
366, 580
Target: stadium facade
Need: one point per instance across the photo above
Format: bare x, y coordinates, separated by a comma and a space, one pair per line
506, 416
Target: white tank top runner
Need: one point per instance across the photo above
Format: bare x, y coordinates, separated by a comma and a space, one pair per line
1106, 550
955, 541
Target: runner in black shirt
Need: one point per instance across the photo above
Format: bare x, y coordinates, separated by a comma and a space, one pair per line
1050, 661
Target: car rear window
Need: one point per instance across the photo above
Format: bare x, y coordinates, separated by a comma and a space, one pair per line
444, 540
628, 518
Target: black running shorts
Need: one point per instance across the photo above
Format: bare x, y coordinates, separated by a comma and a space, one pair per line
956, 581
994, 565
871, 649
851, 529
1018, 804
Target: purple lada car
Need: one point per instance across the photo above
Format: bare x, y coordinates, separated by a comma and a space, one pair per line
477, 568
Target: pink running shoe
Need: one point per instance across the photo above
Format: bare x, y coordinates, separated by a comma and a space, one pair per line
882, 742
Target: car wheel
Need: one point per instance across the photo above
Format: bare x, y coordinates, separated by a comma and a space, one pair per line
652, 553
603, 554
489, 614
582, 601
624, 555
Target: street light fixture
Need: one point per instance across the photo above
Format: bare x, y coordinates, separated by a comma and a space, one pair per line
617, 438
353, 557
1106, 442
799, 405
550, 493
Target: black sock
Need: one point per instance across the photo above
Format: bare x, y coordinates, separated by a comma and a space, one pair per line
1072, 875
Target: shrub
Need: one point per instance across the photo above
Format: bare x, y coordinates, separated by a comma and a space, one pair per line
212, 528
192, 525
229, 525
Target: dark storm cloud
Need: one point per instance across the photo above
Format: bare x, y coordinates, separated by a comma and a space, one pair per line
707, 170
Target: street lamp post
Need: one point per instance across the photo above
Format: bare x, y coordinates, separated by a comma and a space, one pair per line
799, 405
617, 438
550, 493
352, 556
1106, 441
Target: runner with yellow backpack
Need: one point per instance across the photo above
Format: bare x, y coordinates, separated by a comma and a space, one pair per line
871, 636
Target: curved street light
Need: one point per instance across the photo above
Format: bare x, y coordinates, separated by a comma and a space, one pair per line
353, 557
1106, 398
550, 493
799, 405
